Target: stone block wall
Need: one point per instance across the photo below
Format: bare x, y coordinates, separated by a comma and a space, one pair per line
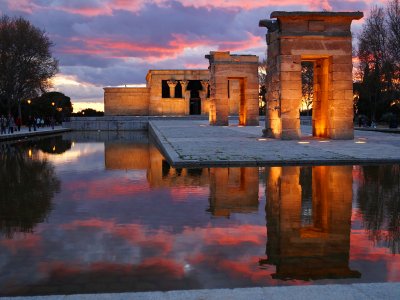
233, 190
309, 251
148, 101
225, 67
159, 106
323, 38
126, 101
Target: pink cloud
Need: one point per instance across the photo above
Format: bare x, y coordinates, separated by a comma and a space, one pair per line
197, 66
23, 241
239, 4
107, 7
26, 6
94, 223
108, 47
253, 234
95, 189
135, 234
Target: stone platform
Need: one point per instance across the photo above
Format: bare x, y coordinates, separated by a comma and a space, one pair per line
194, 143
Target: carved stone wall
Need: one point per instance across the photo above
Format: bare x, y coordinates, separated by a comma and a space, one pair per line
319, 248
323, 38
225, 68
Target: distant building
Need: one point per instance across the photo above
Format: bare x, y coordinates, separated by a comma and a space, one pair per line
228, 87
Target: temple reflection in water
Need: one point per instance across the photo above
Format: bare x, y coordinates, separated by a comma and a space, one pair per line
232, 190
308, 213
308, 209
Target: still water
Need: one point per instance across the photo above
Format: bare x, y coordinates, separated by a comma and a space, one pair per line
90, 212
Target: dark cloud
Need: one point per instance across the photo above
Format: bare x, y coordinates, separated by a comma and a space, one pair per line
112, 42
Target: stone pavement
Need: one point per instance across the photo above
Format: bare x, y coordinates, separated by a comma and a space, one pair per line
313, 292
195, 143
26, 133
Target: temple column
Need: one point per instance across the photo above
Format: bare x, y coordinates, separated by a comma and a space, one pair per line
185, 95
172, 84
184, 84
203, 97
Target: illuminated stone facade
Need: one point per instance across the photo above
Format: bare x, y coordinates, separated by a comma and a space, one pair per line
167, 92
323, 38
309, 220
242, 72
232, 190
187, 92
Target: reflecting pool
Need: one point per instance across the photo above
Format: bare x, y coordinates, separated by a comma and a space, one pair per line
104, 212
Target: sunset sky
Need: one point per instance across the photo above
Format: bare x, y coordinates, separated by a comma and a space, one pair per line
115, 42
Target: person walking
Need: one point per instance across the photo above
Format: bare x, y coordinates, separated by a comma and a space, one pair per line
30, 122
34, 123
18, 122
3, 124
11, 124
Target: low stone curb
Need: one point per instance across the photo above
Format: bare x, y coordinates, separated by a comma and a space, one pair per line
174, 138
29, 134
331, 291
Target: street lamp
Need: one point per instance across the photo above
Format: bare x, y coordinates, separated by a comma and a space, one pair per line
52, 118
29, 101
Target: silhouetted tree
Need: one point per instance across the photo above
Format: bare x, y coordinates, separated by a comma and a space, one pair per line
50, 104
379, 202
379, 68
54, 145
307, 84
89, 112
27, 187
26, 64
262, 81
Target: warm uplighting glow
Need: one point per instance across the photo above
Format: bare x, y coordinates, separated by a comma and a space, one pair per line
395, 103
30, 152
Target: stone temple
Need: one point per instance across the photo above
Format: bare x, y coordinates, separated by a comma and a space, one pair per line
230, 85
323, 38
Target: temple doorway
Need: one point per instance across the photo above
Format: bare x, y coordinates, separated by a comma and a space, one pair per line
194, 87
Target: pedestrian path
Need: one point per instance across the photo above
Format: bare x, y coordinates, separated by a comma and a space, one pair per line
195, 143
26, 133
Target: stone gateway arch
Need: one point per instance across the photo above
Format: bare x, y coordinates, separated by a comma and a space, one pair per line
324, 39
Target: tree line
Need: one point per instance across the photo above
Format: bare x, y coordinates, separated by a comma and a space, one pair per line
26, 67
377, 79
